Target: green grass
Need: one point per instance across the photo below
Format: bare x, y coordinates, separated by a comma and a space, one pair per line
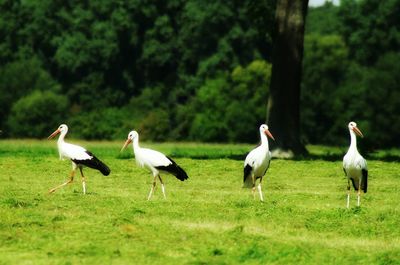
208, 219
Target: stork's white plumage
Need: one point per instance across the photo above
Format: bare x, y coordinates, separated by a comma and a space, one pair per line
155, 161
257, 162
355, 166
78, 155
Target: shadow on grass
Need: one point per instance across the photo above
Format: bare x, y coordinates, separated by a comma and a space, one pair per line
214, 156
339, 157
386, 158
325, 157
194, 156
241, 157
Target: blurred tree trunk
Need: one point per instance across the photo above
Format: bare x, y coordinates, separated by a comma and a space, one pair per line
283, 111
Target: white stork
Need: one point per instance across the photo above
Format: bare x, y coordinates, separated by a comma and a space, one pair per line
155, 161
355, 166
257, 162
79, 156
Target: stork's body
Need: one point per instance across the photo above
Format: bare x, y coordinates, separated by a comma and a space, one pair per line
355, 166
257, 162
155, 161
79, 156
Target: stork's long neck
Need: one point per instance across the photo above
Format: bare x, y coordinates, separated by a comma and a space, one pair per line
264, 140
135, 145
61, 138
353, 142
60, 143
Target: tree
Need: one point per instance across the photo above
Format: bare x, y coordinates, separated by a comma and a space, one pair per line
370, 28
220, 104
323, 20
321, 87
37, 113
382, 90
19, 78
283, 112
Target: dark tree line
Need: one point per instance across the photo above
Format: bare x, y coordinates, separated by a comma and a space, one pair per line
141, 61
195, 70
350, 72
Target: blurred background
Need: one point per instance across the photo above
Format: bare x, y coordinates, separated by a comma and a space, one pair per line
193, 70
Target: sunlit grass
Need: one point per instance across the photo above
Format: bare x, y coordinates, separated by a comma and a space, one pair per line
207, 219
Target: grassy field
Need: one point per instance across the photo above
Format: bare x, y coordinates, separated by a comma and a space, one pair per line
208, 219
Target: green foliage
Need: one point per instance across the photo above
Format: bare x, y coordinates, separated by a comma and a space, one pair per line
349, 72
324, 69
20, 78
249, 94
322, 20
155, 126
150, 98
111, 54
211, 103
198, 70
382, 90
370, 28
231, 108
183, 119
37, 114
148, 114
108, 123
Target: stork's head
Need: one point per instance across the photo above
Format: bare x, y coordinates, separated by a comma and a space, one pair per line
353, 127
61, 129
264, 129
131, 136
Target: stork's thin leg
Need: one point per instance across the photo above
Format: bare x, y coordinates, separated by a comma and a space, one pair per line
253, 189
83, 181
260, 191
359, 192
348, 193
153, 185
162, 186
71, 178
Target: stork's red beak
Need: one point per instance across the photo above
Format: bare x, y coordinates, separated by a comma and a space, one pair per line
269, 134
357, 131
126, 144
54, 134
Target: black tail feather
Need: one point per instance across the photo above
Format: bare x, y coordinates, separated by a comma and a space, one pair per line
94, 163
364, 180
247, 181
175, 170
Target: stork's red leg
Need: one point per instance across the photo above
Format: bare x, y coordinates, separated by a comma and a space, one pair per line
359, 192
259, 190
71, 178
162, 186
153, 185
253, 189
83, 181
348, 193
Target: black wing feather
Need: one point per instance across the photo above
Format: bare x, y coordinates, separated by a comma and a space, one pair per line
95, 163
175, 170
